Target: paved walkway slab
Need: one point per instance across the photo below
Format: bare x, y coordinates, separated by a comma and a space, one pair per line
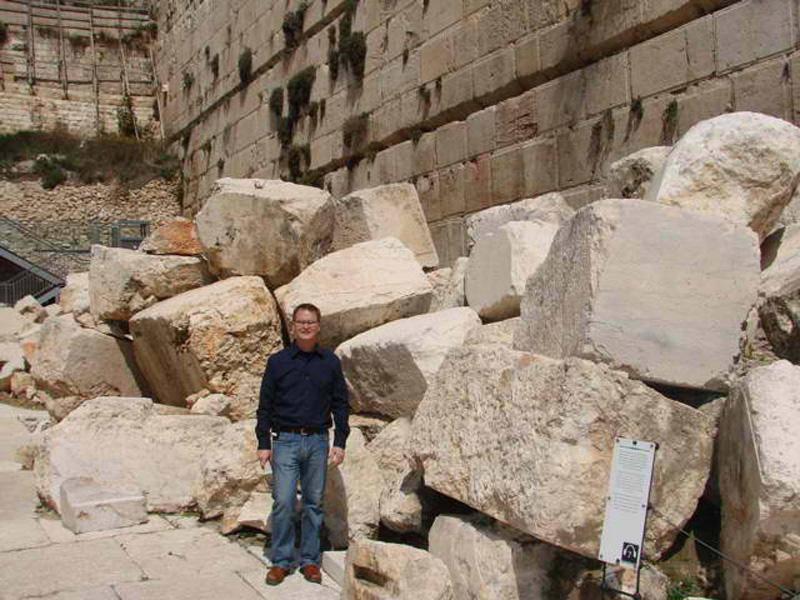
22, 534
294, 587
214, 587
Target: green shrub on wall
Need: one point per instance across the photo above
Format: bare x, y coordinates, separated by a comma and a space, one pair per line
276, 101
246, 66
293, 26
299, 91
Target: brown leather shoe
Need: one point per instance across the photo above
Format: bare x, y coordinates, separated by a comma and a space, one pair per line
312, 573
276, 575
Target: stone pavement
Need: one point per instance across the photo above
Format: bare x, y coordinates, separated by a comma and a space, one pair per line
170, 557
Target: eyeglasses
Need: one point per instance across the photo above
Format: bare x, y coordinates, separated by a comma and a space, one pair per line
306, 323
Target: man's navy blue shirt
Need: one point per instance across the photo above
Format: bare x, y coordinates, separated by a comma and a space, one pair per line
302, 389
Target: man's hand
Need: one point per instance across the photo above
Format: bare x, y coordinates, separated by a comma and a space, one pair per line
335, 456
264, 456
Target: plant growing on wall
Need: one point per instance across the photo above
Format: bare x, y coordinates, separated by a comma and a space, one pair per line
293, 25
355, 130
299, 91
352, 49
3, 33
188, 81
246, 66
126, 118
214, 64
276, 101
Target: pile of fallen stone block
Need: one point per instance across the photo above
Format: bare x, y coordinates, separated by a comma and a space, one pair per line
486, 395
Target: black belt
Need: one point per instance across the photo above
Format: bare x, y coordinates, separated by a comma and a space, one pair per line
300, 430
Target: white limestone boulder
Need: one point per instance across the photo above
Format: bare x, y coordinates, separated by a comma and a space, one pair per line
401, 508
176, 236
391, 210
653, 290
528, 440
254, 514
87, 506
11, 323
743, 166
124, 442
72, 361
353, 494
488, 561
12, 360
31, 310
778, 305
378, 570
448, 286
216, 338
550, 208
360, 288
229, 470
123, 282
74, 297
758, 460
631, 176
780, 246
273, 229
212, 404
499, 332
389, 368
501, 263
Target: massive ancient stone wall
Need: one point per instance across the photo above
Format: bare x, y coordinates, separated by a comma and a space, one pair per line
72, 67
476, 102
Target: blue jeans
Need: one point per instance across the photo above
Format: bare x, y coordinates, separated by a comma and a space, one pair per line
297, 458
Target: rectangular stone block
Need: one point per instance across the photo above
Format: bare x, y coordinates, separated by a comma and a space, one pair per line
452, 190
451, 143
704, 102
425, 153
750, 30
516, 120
607, 84
763, 88
478, 184
579, 153
465, 42
404, 160
562, 101
436, 57
440, 15
495, 77
449, 237
481, 131
527, 60
499, 25
458, 94
508, 180
428, 190
540, 166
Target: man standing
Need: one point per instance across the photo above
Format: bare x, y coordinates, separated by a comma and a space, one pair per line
302, 387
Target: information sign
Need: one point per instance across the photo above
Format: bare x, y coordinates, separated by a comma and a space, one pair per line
626, 502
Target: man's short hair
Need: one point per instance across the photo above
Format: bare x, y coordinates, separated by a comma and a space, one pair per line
307, 306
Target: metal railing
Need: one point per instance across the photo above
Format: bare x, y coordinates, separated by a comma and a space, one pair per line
24, 242
24, 284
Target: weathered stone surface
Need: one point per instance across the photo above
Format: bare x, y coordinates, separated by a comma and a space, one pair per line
778, 306
448, 286
72, 361
742, 166
123, 282
30, 309
11, 323
212, 404
229, 470
122, 441
500, 332
87, 506
487, 561
269, 228
176, 236
401, 509
550, 208
758, 459
569, 412
59, 407
217, 338
11, 361
630, 177
29, 340
352, 494
394, 572
391, 210
781, 245
389, 368
501, 263
623, 285
74, 297
360, 288
253, 514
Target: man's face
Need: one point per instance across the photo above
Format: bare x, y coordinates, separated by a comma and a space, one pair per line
305, 326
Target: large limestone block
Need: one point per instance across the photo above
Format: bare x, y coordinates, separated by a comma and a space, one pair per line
31, 310
269, 228
487, 561
631, 176
391, 210
11, 323
380, 571
528, 440
229, 470
780, 246
779, 303
87, 506
353, 494
758, 460
72, 361
74, 297
388, 368
12, 360
501, 263
176, 236
500, 332
401, 509
742, 166
448, 286
653, 290
216, 337
359, 288
123, 282
124, 442
550, 208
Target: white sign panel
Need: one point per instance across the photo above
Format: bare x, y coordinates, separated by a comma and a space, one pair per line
626, 503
